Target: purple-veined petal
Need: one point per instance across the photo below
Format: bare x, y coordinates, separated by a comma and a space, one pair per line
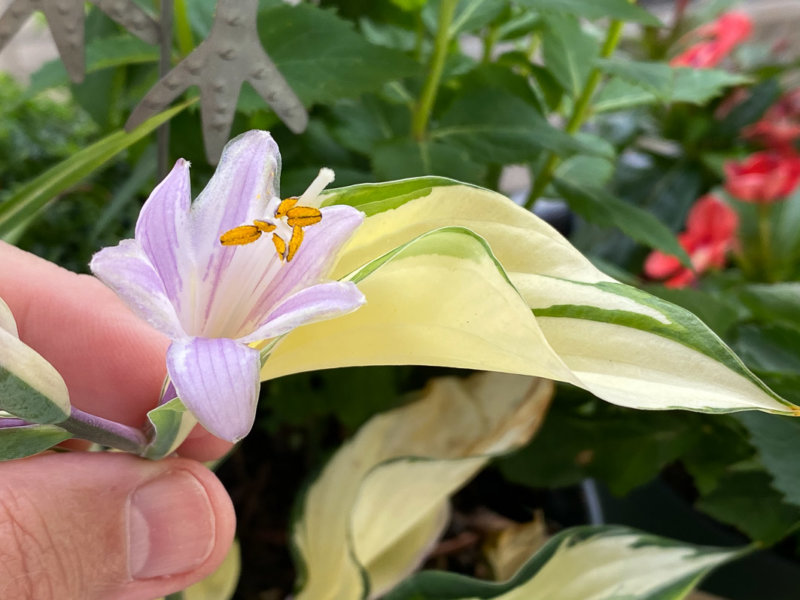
242, 186
162, 231
315, 303
217, 379
126, 270
313, 262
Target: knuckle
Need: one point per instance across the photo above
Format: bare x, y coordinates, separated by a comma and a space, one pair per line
31, 567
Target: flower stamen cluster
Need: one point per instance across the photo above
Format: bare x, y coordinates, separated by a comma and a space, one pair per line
286, 224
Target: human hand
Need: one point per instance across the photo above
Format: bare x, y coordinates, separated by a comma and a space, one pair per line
104, 526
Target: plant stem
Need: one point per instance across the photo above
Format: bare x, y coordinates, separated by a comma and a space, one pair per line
104, 432
422, 114
580, 111
164, 66
183, 29
764, 235
488, 43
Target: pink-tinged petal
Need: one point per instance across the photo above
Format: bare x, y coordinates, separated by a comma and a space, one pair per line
163, 233
239, 191
217, 379
126, 270
245, 180
313, 261
316, 303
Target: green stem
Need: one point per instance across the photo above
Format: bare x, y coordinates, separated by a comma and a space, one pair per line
580, 112
489, 42
764, 241
422, 114
183, 30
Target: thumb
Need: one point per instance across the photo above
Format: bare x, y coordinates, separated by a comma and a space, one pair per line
92, 526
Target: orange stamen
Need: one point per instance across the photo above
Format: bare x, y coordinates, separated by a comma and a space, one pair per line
264, 226
303, 216
280, 245
241, 235
284, 206
294, 243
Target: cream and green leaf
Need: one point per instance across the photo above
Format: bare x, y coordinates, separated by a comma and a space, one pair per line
460, 276
585, 563
30, 387
381, 502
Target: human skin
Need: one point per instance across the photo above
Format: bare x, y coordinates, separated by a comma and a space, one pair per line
102, 525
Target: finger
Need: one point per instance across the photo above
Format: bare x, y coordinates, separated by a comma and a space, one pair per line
109, 526
112, 362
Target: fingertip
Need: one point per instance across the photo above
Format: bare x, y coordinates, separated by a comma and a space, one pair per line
202, 446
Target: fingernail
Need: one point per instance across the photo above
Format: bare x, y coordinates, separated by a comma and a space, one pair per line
171, 526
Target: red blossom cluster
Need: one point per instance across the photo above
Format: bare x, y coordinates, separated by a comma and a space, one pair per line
717, 39
710, 234
764, 177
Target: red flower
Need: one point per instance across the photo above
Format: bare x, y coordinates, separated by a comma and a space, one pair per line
780, 125
763, 177
719, 38
710, 233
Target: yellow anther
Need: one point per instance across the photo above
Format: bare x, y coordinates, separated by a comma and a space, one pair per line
264, 226
303, 216
284, 207
294, 243
280, 245
244, 234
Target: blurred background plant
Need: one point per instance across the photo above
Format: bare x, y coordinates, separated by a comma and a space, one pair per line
664, 146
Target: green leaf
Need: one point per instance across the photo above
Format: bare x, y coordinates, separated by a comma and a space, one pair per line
655, 77
19, 442
32, 197
622, 448
374, 198
170, 424
30, 387
776, 302
747, 500
361, 124
404, 158
586, 170
470, 15
568, 52
599, 207
409, 5
695, 86
769, 348
622, 10
322, 57
498, 127
777, 440
101, 54
585, 562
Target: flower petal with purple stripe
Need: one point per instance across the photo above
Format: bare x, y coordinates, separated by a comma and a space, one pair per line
162, 231
126, 269
217, 379
311, 304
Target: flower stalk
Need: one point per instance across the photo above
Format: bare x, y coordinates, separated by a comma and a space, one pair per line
764, 235
104, 432
579, 114
422, 112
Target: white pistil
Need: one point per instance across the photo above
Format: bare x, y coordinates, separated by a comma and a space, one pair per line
311, 196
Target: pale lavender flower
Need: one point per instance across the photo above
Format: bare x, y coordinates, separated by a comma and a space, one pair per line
212, 300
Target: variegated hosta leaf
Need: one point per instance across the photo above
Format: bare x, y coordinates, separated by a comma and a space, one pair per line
30, 387
448, 302
169, 424
221, 584
382, 500
27, 440
585, 563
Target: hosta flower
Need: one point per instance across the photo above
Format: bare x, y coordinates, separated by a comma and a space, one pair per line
763, 177
718, 39
709, 236
198, 273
